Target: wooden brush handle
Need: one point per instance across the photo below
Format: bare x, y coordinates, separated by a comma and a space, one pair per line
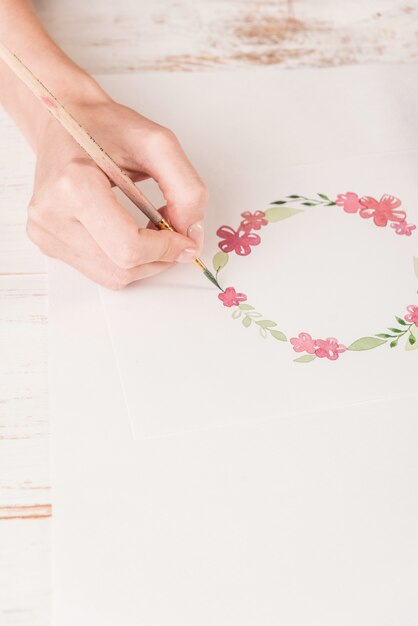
81, 136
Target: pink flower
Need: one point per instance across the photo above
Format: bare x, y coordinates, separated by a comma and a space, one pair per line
303, 343
231, 298
349, 201
329, 348
383, 210
254, 221
412, 316
402, 228
240, 241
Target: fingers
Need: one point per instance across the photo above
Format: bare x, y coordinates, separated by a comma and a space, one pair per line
74, 215
109, 224
161, 156
117, 233
81, 252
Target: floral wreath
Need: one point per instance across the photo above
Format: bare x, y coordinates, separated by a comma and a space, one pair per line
384, 212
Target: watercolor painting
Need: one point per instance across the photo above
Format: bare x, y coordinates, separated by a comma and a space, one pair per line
387, 212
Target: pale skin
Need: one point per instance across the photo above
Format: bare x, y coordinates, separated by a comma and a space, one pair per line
73, 214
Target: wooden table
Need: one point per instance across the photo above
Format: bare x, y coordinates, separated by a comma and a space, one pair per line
131, 36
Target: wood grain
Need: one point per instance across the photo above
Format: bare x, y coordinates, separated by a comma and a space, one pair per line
31, 511
210, 34
128, 36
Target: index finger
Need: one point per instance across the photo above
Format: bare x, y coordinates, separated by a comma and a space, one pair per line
162, 157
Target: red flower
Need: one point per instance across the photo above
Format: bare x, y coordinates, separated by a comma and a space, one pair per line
239, 241
383, 210
329, 348
349, 201
254, 221
412, 316
231, 298
303, 343
402, 228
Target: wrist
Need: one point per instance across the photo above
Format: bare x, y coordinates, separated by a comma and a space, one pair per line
74, 87
75, 90
79, 92
22, 33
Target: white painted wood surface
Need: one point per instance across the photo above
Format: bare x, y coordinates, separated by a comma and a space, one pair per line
128, 36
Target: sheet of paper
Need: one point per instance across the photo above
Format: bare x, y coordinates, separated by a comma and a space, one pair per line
326, 278
302, 521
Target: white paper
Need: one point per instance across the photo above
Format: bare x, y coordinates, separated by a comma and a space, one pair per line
303, 521
324, 272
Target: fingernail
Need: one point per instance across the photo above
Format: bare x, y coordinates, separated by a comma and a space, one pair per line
188, 254
196, 232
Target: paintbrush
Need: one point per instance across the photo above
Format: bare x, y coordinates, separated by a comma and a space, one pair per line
93, 149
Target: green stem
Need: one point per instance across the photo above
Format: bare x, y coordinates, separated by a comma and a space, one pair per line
300, 198
404, 331
402, 334
407, 329
315, 201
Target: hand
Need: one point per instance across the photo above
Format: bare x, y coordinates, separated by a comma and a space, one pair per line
74, 215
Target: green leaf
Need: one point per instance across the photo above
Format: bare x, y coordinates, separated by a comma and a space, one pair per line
401, 321
384, 335
277, 334
246, 321
308, 203
277, 213
246, 307
331, 204
393, 343
212, 278
413, 334
416, 266
306, 358
236, 314
263, 332
366, 343
220, 260
266, 323
279, 202
294, 197
323, 196
396, 330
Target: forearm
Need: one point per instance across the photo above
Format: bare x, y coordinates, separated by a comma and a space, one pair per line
21, 31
